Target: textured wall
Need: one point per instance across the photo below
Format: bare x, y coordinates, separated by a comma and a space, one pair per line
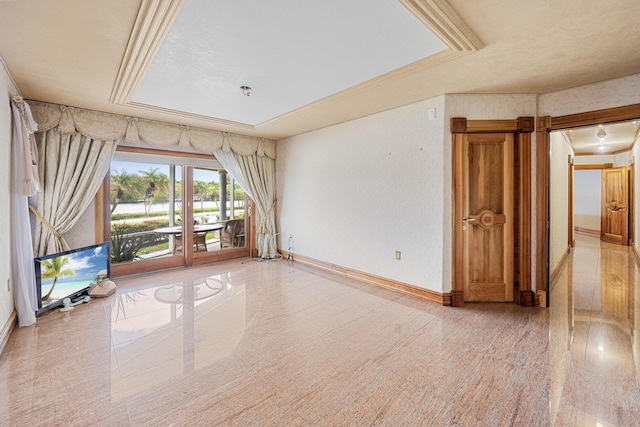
597, 96
558, 199
594, 160
635, 157
354, 193
7, 90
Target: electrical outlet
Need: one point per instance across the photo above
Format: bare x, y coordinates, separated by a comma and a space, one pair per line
9, 285
398, 255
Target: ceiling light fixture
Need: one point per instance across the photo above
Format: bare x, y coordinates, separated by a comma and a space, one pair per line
246, 90
601, 134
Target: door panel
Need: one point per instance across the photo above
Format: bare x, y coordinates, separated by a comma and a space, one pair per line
615, 203
488, 239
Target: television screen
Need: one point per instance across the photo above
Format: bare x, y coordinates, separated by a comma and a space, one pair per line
69, 274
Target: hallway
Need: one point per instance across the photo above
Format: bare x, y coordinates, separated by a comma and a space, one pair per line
593, 351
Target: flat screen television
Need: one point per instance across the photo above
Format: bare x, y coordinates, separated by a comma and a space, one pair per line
69, 274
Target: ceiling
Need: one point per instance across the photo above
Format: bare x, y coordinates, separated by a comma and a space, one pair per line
309, 64
603, 139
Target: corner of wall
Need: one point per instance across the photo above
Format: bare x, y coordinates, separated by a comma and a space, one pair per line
8, 89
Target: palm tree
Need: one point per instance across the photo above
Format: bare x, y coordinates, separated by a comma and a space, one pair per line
200, 190
155, 181
238, 195
54, 269
123, 185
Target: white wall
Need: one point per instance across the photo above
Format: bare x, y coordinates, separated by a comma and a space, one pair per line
635, 156
594, 160
7, 90
621, 159
586, 199
558, 199
354, 193
597, 96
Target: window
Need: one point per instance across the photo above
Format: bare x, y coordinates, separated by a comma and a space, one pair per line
168, 211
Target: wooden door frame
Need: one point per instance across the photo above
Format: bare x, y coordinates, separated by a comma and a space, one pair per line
544, 126
570, 237
522, 129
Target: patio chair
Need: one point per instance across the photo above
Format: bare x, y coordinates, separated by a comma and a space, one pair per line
177, 243
200, 241
231, 233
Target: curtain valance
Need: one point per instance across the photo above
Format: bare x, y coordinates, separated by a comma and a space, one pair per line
112, 127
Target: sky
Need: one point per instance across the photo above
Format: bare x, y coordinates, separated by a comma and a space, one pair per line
135, 168
87, 263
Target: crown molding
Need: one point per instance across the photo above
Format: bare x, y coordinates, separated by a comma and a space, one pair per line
354, 91
192, 116
155, 18
149, 31
445, 22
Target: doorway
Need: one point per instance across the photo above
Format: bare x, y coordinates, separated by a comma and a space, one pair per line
603, 202
544, 130
491, 211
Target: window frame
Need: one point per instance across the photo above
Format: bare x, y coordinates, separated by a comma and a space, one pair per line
188, 258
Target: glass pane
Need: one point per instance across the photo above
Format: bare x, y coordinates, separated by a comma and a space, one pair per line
145, 198
218, 214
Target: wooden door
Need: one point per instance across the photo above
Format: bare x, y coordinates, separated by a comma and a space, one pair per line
614, 219
488, 209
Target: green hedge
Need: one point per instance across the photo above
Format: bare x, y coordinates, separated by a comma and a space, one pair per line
138, 215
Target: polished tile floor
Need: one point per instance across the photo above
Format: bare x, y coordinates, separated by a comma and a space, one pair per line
594, 352
279, 343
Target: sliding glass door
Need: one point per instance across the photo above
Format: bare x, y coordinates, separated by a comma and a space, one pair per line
167, 212
218, 212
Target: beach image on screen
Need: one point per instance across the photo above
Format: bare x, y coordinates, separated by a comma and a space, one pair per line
63, 275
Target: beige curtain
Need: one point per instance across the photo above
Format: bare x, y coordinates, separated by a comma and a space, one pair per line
132, 130
260, 179
71, 168
24, 183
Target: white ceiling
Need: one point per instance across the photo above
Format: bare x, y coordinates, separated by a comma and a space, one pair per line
109, 55
304, 51
616, 138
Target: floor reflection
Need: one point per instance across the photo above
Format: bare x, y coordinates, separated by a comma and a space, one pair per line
593, 347
171, 329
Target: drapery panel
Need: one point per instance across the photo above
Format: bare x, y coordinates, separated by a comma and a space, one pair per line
260, 176
256, 175
24, 183
71, 167
132, 130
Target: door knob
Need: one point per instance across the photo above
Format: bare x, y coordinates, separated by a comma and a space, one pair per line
469, 219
